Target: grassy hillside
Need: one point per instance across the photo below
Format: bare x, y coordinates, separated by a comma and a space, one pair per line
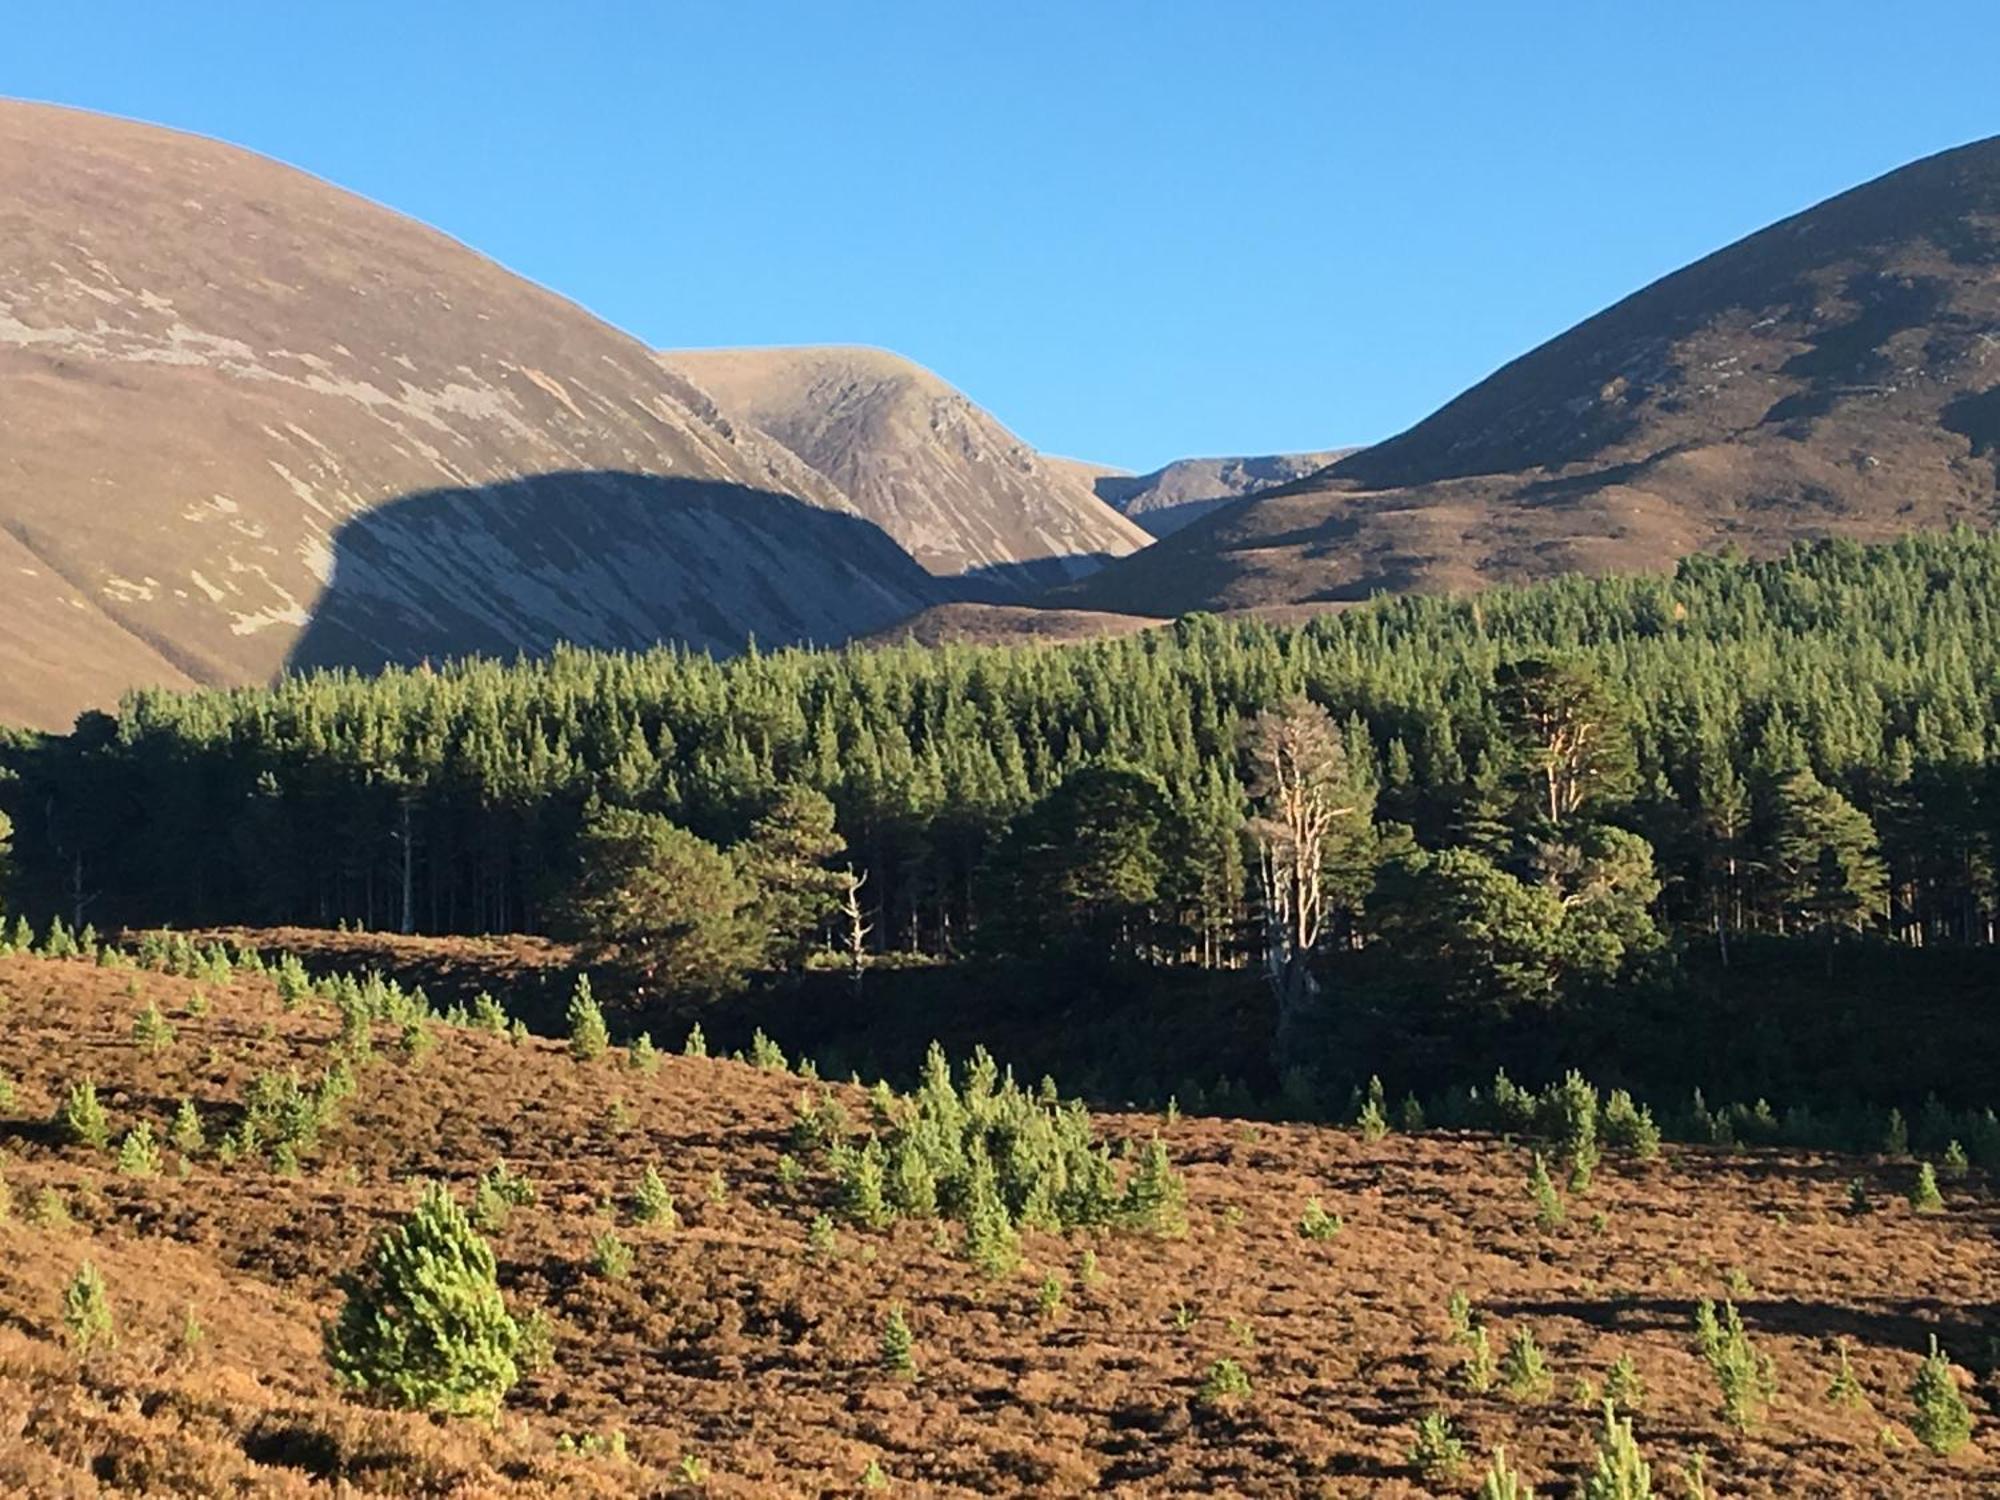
741, 1354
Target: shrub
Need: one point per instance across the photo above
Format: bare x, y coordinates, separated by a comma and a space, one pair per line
1620, 1473
152, 1032
86, 1310
1743, 1377
1896, 1135
610, 1256
1954, 1163
897, 1346
765, 1053
991, 1242
696, 1044
1049, 1296
821, 1240
1844, 1389
185, 1135
1370, 1120
498, 1193
1459, 1316
1629, 1127
863, 1195
488, 1014
1924, 1195
652, 1203
139, 1153
1437, 1454
1622, 1386
1524, 1367
423, 1325
83, 1120
1548, 1206
1317, 1224
1225, 1383
643, 1056
1857, 1197
1503, 1482
588, 1036
1942, 1423
1155, 1196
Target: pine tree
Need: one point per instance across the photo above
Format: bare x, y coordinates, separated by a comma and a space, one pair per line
87, 1310
1942, 1423
588, 1036
423, 1324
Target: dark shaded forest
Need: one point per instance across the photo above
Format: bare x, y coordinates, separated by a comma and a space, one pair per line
1423, 831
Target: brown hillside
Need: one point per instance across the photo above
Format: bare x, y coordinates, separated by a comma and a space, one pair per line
1833, 374
733, 1340
961, 493
247, 418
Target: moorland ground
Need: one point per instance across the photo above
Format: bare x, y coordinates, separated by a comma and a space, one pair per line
741, 1355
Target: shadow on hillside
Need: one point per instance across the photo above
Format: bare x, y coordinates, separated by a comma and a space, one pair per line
601, 558
1019, 582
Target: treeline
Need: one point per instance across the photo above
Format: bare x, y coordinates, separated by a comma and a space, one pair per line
1804, 745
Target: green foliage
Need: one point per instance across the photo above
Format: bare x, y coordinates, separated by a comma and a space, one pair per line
1049, 1296
1924, 1195
765, 1053
652, 1203
488, 1014
1857, 1197
499, 1191
1155, 1195
1524, 1368
1844, 1389
139, 1153
86, 1310
1622, 1386
1225, 1384
696, 1044
610, 1256
1954, 1164
1630, 1128
652, 895
1942, 1423
1437, 1453
1317, 1224
1745, 1380
152, 1033
1503, 1481
588, 1036
643, 1056
83, 1119
1620, 1472
423, 1324
898, 1357
1549, 1212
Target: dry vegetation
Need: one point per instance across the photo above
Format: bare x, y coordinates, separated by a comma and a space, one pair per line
744, 1354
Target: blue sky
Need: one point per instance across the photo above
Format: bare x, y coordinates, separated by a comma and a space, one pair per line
1135, 229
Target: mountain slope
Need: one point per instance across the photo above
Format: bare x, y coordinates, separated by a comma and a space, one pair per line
961, 493
1835, 374
235, 400
1186, 490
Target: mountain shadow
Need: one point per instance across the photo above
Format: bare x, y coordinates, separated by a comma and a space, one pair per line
601, 558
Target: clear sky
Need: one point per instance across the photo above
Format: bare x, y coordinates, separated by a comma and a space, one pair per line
1135, 229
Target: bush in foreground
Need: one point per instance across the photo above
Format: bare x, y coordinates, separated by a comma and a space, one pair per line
424, 1325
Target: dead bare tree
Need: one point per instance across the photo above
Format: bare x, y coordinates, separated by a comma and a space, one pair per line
1299, 779
858, 928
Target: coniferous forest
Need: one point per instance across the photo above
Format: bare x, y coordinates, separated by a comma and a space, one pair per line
1422, 827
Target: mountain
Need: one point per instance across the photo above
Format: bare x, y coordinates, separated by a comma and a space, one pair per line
1836, 374
249, 420
1186, 490
963, 495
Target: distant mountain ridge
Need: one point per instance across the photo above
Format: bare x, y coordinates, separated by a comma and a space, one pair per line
243, 412
962, 494
1837, 373
1189, 488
